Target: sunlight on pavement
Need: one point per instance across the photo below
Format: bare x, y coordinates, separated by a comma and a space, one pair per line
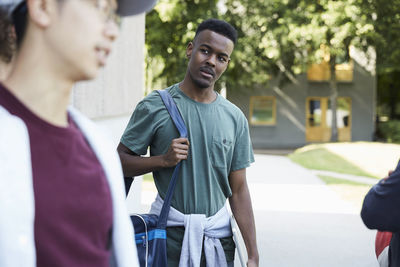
148, 196
286, 197
298, 198
277, 184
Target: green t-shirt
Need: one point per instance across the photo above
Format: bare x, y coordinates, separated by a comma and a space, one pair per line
219, 144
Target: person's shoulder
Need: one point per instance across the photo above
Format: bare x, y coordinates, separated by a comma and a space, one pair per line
3, 112
231, 108
90, 129
228, 104
7, 118
12, 127
154, 99
151, 98
78, 116
173, 90
86, 125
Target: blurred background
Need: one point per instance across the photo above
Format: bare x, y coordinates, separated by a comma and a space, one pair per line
319, 84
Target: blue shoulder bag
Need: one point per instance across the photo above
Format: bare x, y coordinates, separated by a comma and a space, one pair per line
150, 229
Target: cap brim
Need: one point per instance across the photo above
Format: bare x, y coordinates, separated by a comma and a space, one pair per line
134, 7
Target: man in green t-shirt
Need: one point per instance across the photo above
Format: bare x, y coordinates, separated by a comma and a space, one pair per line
215, 155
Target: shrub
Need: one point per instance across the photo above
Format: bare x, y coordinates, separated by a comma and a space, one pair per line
390, 131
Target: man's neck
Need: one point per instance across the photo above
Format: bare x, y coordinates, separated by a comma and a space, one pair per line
202, 95
38, 86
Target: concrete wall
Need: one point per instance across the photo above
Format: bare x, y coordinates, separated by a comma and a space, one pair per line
110, 99
289, 130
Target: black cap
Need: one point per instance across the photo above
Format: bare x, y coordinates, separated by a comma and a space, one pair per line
134, 7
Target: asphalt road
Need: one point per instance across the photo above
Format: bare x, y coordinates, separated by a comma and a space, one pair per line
301, 222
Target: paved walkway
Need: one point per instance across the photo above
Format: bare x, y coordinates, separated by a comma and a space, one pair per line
300, 221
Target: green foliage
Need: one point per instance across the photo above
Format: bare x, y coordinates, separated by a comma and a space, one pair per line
388, 95
275, 36
386, 41
386, 37
148, 177
390, 131
286, 35
169, 28
322, 159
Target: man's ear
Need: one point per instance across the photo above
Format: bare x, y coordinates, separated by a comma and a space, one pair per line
189, 49
40, 12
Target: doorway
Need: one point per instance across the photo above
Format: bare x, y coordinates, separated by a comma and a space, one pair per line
319, 119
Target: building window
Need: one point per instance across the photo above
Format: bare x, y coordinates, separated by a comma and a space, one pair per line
262, 110
314, 112
320, 72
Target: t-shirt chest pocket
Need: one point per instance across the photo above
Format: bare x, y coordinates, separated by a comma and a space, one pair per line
222, 151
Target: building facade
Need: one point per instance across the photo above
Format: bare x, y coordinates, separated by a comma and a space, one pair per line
298, 112
110, 99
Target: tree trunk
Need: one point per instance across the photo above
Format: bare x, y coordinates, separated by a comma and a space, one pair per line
333, 98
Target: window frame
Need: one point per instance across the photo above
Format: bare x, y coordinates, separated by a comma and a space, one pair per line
251, 110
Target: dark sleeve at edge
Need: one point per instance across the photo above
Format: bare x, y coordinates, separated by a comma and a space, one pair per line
381, 207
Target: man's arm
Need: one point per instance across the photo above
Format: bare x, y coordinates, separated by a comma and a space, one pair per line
134, 165
240, 203
381, 205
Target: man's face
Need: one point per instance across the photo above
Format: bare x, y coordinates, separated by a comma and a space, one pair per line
80, 36
209, 56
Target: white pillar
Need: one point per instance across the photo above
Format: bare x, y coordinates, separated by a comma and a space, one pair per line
111, 98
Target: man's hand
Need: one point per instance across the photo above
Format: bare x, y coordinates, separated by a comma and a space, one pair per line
252, 263
177, 151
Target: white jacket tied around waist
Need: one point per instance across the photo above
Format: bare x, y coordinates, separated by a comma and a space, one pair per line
17, 209
197, 226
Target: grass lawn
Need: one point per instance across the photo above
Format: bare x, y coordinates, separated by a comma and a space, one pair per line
369, 159
148, 177
320, 158
148, 183
350, 191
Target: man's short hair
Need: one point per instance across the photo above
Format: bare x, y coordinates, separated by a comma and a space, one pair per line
20, 21
7, 40
219, 26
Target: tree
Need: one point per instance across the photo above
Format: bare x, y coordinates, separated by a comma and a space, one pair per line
277, 38
288, 34
172, 24
386, 40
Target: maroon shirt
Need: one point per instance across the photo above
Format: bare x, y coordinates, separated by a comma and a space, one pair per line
73, 206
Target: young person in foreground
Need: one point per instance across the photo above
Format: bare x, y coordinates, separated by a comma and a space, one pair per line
215, 155
62, 197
